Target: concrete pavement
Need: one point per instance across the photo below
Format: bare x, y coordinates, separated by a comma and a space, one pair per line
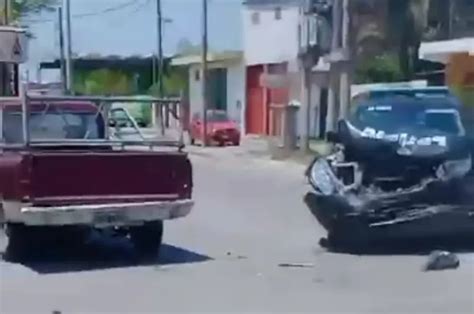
224, 258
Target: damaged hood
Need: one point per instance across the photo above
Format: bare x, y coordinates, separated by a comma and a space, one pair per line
407, 142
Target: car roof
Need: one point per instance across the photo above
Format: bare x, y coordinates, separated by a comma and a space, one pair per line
432, 97
400, 102
70, 106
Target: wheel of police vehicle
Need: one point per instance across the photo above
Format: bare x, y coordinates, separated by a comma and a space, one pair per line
147, 238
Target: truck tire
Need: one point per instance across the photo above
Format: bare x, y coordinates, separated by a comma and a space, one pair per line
19, 242
147, 238
29, 242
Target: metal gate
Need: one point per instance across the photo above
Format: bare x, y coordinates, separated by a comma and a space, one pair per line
113, 133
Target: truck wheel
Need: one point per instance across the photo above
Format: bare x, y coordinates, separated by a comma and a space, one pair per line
147, 238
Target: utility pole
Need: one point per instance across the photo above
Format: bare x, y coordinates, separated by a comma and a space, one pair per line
161, 112
61, 50
7, 6
345, 84
335, 44
161, 91
160, 46
204, 72
450, 18
69, 61
306, 67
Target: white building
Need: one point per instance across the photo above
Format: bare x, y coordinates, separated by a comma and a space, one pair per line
273, 31
226, 83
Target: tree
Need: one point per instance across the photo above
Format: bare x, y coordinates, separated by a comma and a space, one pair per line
390, 25
103, 81
22, 8
383, 68
174, 83
409, 20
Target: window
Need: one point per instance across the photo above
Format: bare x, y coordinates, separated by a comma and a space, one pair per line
51, 126
255, 18
278, 13
394, 119
197, 75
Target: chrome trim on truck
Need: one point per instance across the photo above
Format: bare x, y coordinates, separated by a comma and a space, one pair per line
105, 215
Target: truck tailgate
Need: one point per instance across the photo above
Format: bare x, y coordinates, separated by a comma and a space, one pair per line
106, 177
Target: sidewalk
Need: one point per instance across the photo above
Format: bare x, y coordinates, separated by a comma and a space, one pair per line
251, 147
255, 147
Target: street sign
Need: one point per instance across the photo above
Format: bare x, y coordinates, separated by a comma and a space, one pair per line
13, 45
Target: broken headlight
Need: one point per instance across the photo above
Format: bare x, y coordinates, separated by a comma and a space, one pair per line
321, 177
453, 169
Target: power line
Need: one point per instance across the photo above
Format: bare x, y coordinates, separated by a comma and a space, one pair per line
108, 10
98, 13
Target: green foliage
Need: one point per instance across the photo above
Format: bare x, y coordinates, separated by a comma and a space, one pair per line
465, 94
21, 8
391, 25
173, 83
102, 82
146, 112
384, 68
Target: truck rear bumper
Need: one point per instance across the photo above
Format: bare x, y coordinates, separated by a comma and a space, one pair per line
103, 215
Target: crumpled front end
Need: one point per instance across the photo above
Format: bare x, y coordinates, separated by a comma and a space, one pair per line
360, 216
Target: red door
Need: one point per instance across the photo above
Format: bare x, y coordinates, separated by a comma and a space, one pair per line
255, 112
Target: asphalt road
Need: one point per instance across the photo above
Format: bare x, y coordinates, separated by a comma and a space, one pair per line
225, 257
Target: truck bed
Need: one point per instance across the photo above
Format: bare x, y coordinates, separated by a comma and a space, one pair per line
52, 178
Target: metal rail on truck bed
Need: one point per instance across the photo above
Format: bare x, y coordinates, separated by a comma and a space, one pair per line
103, 111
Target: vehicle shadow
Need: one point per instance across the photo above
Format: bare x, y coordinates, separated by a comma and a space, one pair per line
103, 253
412, 247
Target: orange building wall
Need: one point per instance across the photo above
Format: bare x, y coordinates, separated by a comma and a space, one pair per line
460, 71
460, 76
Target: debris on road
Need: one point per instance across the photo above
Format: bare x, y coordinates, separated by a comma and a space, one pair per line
442, 260
238, 257
296, 265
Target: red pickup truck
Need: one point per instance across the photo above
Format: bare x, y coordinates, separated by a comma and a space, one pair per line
60, 171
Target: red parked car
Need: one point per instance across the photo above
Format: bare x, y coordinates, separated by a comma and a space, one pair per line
220, 128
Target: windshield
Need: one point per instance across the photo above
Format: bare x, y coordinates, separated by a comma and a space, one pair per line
52, 126
217, 116
393, 119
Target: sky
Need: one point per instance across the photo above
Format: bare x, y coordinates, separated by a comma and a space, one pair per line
132, 29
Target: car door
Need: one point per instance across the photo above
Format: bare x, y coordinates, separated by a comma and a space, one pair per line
196, 125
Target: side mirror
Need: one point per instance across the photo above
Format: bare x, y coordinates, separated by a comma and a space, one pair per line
332, 137
112, 123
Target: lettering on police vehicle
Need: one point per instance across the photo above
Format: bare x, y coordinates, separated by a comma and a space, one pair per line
404, 139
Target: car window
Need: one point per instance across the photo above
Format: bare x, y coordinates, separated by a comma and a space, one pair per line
393, 119
51, 126
217, 116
